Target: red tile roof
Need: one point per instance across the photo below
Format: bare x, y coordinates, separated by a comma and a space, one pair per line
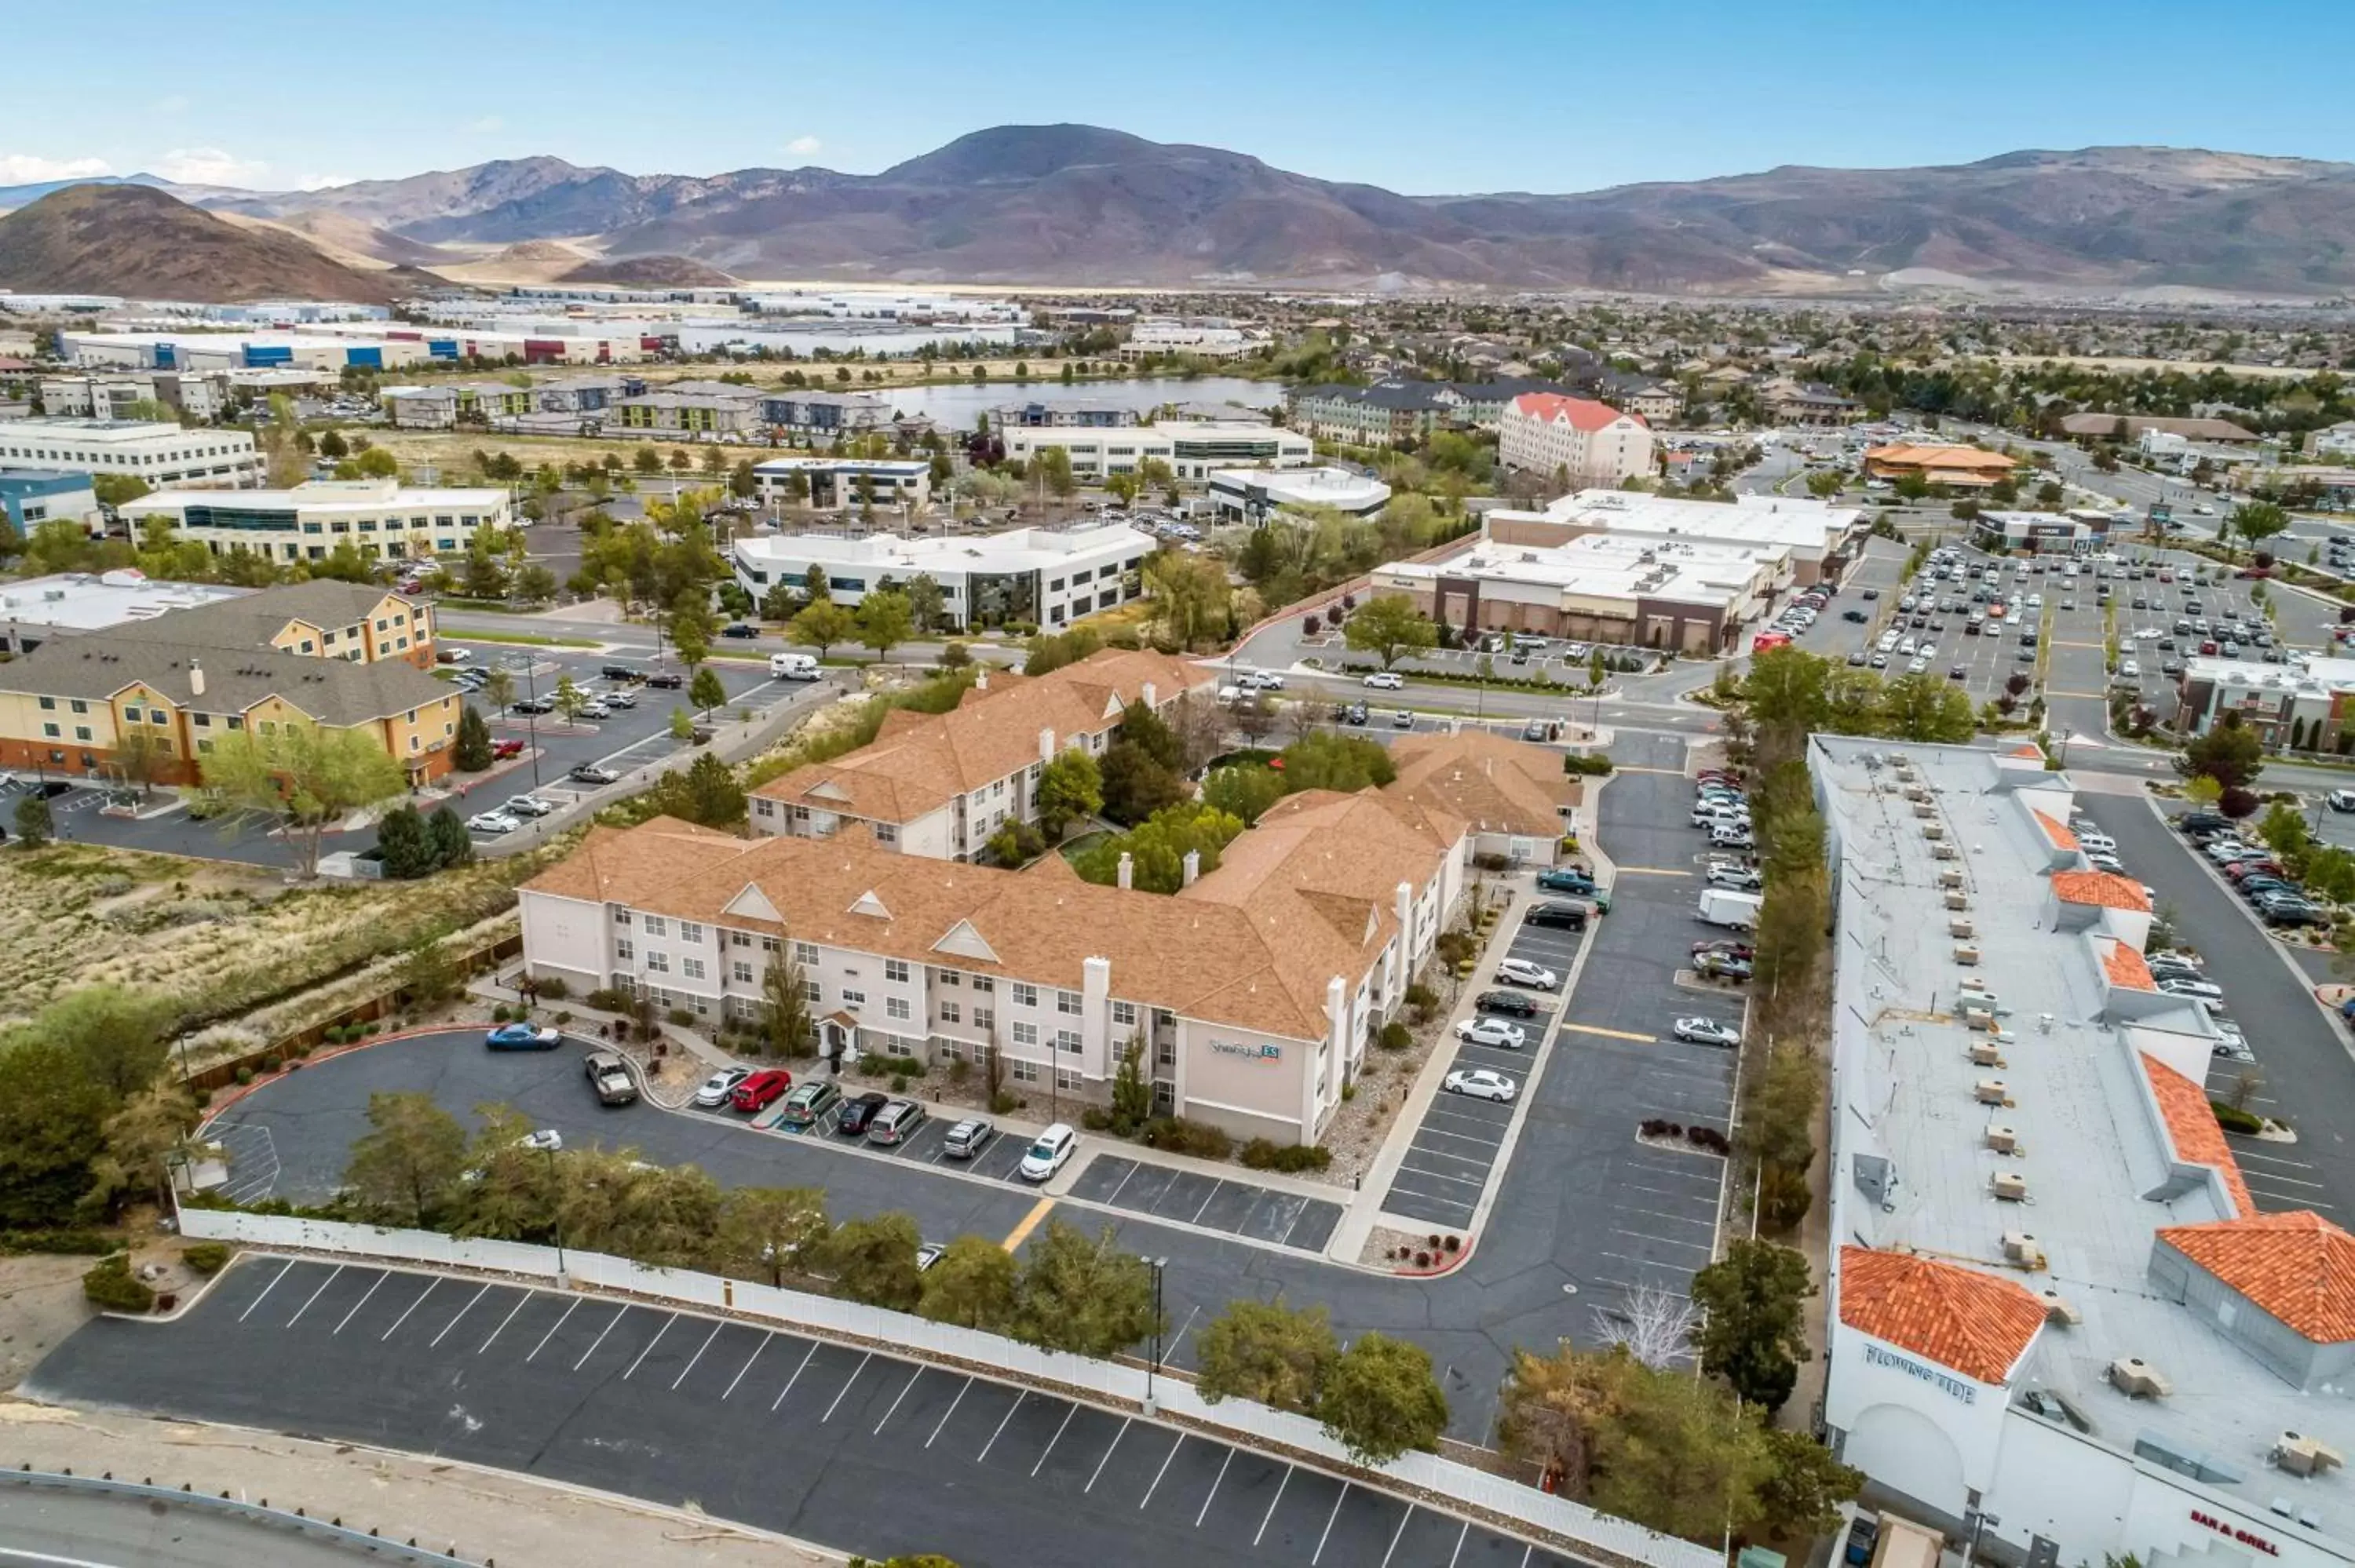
2191, 1127
2298, 1266
2056, 832
1585, 413
2126, 968
2025, 751
2104, 888
1976, 1323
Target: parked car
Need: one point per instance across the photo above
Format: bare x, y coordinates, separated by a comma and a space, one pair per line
1520, 971
809, 1102
1519, 1004
492, 822
968, 1138
526, 806
719, 1086
1493, 1032
591, 773
1726, 947
619, 697
1481, 1083
1386, 681
532, 705
2205, 991
1048, 1152
895, 1123
667, 680
1708, 1031
609, 1076
503, 749
1738, 878
762, 1090
1722, 966
738, 629
1568, 916
523, 1037
858, 1111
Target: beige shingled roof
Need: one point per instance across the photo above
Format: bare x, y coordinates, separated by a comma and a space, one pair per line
1494, 784
1304, 897
918, 762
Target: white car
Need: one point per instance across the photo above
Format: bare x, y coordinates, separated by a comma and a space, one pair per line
1048, 1153
547, 1140
1708, 1031
2180, 985
1491, 1031
1732, 835
1481, 1083
1264, 681
1520, 971
2129, 668
1741, 879
2101, 861
492, 822
1573, 650
719, 1086
1386, 681
526, 806
594, 708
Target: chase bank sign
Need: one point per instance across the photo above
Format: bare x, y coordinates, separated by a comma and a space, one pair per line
1250, 1053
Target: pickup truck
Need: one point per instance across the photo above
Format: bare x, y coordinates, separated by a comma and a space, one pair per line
610, 1077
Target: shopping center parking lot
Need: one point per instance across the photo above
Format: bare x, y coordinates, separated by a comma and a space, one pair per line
778, 1430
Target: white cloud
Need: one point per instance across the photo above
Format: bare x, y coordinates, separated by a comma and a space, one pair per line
209, 166
802, 146
25, 169
172, 103
320, 182
487, 124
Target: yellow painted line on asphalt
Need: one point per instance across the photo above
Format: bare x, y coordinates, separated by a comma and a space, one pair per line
1651, 871
1021, 1232
1613, 1034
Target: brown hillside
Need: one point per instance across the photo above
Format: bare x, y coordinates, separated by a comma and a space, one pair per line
135, 240
650, 272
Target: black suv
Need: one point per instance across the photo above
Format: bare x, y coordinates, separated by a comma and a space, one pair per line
622, 672
1572, 916
858, 1111
668, 680
1518, 1004
2203, 822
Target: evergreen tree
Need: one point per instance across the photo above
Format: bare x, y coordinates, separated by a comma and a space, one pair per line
474, 750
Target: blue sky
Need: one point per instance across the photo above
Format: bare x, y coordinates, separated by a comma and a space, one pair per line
1430, 97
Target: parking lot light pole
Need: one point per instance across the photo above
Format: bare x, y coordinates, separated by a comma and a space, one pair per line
531, 718
555, 1210
1160, 1324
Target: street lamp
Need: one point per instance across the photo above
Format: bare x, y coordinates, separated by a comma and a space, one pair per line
531, 715
555, 1208
1160, 1323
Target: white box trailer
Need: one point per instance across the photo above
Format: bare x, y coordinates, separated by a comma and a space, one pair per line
1725, 907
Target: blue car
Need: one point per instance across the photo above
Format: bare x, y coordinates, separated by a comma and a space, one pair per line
1565, 880
522, 1037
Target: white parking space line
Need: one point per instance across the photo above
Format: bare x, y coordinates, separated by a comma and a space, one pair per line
650, 1345
1052, 1441
266, 1289
1432, 1198
1645, 1262
1710, 1220
412, 1307
1396, 1533
1328, 1525
1101, 1462
1427, 1131
1214, 1487
1171, 1354
748, 1364
452, 1323
306, 1300
1019, 1396
363, 1300
698, 1354
951, 1411
1623, 1285
2276, 1178
1161, 1472
895, 1403
568, 1310
1271, 1506
846, 1388
1473, 1182
599, 1339
1459, 1543
795, 1378
520, 1302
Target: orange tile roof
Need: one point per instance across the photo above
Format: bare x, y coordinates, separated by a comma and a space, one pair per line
1930, 455
2105, 888
1976, 1323
2126, 968
1585, 413
2191, 1127
2026, 751
2055, 830
2298, 1266
1498, 785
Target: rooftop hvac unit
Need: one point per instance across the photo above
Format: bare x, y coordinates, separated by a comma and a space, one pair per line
1922, 807
1992, 1092
1967, 952
2137, 1379
2002, 1138
2304, 1456
2024, 1249
1952, 876
2059, 1309
2010, 1186
1934, 832
1939, 848
1985, 1055
1957, 901
1916, 792
1959, 927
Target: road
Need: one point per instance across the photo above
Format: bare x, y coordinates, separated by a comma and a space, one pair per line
81, 1529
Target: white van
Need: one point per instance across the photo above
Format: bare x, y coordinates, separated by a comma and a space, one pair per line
793, 666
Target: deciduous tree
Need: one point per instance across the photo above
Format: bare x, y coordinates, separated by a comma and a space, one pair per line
873, 1260
303, 780
1084, 1294
1267, 1352
1389, 628
1378, 1399
974, 1284
1070, 787
405, 1169
763, 1231
822, 626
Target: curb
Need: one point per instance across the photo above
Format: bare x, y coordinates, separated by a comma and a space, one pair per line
239, 1091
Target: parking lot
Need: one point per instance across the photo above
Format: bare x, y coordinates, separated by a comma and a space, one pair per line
778, 1430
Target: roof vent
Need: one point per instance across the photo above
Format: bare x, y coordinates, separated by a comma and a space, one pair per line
1984, 1054
1966, 953
2058, 1308
2002, 1138
2137, 1379
2304, 1456
2010, 1186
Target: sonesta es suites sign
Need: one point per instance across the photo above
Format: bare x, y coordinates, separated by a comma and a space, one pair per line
1252, 1052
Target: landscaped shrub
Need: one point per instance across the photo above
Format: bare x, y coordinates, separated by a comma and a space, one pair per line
1263, 1154
269, 1063
1395, 1036
85, 1243
1095, 1118
499, 1014
1004, 1103
112, 1286
2232, 1119
1176, 1135
680, 1016
1577, 762
205, 1257
607, 999
244, 1073
1453, 1243
552, 990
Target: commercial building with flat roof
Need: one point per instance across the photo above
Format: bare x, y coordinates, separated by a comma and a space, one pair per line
1192, 449
67, 604
2308, 705
1037, 576
2080, 532
2059, 1319
888, 483
1821, 539
1255, 495
161, 454
383, 519
32, 496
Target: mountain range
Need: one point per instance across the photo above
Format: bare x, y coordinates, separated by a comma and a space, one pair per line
1082, 206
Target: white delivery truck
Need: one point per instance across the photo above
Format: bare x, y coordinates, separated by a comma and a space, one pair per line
1725, 907
793, 666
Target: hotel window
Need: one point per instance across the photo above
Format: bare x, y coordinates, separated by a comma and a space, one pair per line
81, 732
79, 706
1025, 995
656, 925
853, 998
658, 962
950, 1012
202, 721
1068, 1002
741, 971
691, 967
984, 1018
1123, 1013
1026, 1034
764, 808
690, 931
49, 705
623, 948
805, 952
739, 938
885, 833
1023, 1072
1067, 1042
1067, 1078
948, 977
813, 990
621, 916
771, 944
984, 984
896, 971
52, 732
895, 1007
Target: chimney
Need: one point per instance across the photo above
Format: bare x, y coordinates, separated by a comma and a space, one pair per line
1193, 866
196, 678
1152, 699
1047, 745
1127, 869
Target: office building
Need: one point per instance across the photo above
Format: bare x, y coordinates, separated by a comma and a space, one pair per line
1253, 495
161, 454
886, 483
1191, 450
1822, 538
380, 517
32, 496
1036, 577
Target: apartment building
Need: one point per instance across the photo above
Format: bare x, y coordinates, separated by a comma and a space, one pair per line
823, 416
1399, 411
447, 405
1251, 994
161, 454
1191, 450
938, 786
342, 655
1033, 576
382, 518
1056, 415
690, 408
1587, 442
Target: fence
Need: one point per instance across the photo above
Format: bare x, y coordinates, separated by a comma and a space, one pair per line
1598, 1536
162, 1497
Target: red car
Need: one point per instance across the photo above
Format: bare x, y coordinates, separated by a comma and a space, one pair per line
1728, 949
2241, 868
505, 748
762, 1090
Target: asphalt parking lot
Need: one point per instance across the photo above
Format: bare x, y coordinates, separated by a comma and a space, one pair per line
1218, 1204
777, 1430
